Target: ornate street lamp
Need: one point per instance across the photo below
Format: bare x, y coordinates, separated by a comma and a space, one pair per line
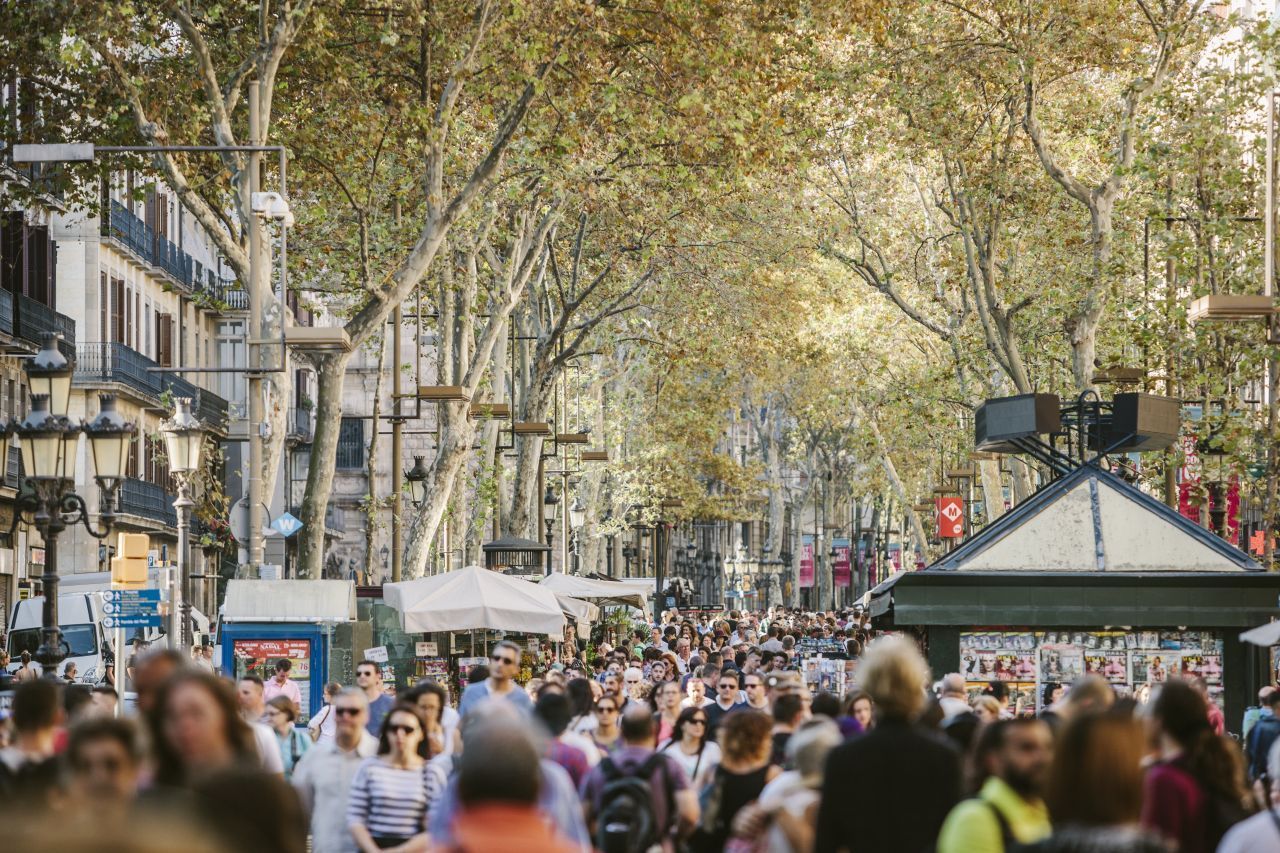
184, 442
416, 477
49, 442
549, 502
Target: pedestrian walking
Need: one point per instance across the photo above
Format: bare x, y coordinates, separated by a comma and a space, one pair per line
691, 748
863, 805
607, 733
103, 765
322, 726
788, 714
282, 685
253, 709
552, 710
26, 672
499, 783
369, 679
727, 701
637, 798
504, 663
324, 775
743, 772
1261, 832
1009, 809
1195, 792
293, 744
666, 708
391, 792
1263, 733
1094, 791
28, 771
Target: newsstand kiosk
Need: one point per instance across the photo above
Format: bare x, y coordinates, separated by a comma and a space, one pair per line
266, 620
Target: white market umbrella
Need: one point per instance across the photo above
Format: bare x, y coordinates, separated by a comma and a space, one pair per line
475, 599
604, 593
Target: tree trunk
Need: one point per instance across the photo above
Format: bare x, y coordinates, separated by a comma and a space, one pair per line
456, 435
992, 489
372, 505
330, 370
524, 487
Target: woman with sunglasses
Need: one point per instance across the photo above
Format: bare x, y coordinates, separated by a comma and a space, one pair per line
690, 747
607, 734
392, 791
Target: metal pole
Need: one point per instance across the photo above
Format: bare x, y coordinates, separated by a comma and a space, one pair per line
564, 523
50, 653
180, 595
253, 477
1273, 332
121, 671
397, 449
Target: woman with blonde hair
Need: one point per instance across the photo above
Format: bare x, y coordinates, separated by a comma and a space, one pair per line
987, 708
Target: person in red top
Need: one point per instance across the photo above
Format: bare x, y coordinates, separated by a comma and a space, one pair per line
1195, 792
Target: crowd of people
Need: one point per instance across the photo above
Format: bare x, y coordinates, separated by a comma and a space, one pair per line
697, 734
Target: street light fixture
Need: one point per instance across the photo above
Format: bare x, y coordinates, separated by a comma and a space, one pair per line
184, 441
416, 477
49, 440
549, 502
577, 512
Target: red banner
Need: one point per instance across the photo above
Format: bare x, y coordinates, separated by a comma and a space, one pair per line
806, 563
841, 566
950, 518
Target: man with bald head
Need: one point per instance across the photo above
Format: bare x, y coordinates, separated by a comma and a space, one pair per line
953, 697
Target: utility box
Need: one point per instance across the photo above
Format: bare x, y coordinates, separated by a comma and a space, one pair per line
1001, 421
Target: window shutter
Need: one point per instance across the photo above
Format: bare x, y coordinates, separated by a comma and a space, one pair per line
166, 341
117, 310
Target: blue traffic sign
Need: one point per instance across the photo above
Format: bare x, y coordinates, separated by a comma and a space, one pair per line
120, 596
149, 620
286, 525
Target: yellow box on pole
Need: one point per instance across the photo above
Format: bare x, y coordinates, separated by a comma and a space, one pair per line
129, 568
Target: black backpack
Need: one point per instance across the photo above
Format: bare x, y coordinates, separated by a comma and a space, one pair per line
627, 823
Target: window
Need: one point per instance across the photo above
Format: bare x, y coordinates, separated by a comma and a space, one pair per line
351, 450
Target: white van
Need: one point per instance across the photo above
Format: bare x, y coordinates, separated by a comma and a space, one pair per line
79, 617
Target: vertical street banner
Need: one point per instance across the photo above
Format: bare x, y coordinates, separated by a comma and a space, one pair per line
806, 562
841, 566
950, 518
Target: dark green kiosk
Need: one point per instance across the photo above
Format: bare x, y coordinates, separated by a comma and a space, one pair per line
1089, 576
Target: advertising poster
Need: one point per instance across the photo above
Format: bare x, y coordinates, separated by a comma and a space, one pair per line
1113, 666
806, 562
1061, 663
841, 566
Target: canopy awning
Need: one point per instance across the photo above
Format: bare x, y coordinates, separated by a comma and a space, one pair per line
1264, 635
290, 601
601, 592
473, 599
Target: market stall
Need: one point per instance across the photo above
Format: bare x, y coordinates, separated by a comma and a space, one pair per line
1088, 576
603, 593
461, 613
263, 621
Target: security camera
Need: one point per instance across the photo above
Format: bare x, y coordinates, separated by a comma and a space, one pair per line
271, 206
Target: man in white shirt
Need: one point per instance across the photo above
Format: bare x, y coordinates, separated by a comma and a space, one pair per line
953, 697
684, 651
252, 708
324, 774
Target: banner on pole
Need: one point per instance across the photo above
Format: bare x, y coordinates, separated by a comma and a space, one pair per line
841, 566
950, 518
806, 562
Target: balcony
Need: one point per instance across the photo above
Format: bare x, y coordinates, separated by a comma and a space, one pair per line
300, 425
116, 363
147, 500
32, 320
135, 235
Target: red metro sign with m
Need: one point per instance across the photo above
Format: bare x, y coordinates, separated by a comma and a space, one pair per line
951, 518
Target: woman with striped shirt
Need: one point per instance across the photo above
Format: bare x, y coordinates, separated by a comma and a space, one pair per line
392, 791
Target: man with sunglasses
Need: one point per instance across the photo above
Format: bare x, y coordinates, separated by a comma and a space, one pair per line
369, 680
727, 700
324, 774
504, 663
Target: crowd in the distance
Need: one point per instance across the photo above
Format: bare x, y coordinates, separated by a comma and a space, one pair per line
697, 734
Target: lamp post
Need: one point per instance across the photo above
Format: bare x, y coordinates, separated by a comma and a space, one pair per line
184, 441
49, 443
549, 502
